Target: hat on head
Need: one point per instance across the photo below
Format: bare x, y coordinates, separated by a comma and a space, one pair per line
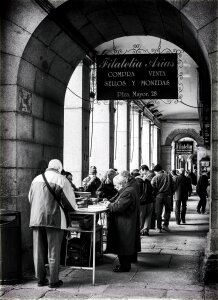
92, 170
157, 168
55, 164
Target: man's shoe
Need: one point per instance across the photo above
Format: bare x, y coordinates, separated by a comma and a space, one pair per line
56, 284
183, 221
158, 230
166, 228
43, 282
145, 233
198, 211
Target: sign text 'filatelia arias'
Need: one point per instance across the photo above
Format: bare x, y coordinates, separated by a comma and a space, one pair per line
144, 76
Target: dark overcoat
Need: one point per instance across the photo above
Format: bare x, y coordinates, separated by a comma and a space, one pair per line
183, 187
125, 238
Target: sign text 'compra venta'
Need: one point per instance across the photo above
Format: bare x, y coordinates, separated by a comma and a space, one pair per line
143, 76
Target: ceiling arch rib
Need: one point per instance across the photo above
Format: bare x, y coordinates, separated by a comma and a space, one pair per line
95, 22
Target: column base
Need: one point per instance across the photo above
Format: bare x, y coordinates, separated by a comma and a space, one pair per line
210, 269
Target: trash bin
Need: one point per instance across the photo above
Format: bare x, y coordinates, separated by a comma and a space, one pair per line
10, 247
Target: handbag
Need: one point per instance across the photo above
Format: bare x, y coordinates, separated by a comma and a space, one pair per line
58, 200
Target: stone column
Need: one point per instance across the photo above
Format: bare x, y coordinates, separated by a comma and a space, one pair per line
152, 145
76, 124
166, 157
211, 252
135, 139
155, 144
146, 138
102, 137
121, 136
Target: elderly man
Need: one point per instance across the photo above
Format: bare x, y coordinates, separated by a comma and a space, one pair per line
49, 194
125, 240
183, 190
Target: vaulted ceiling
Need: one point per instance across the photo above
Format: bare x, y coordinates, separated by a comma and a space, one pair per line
90, 23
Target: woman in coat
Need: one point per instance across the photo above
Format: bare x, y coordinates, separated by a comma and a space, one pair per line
125, 240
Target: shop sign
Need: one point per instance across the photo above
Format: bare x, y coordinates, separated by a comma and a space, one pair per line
184, 148
133, 77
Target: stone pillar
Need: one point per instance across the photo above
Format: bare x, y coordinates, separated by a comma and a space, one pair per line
146, 138
152, 164
158, 144
121, 136
211, 252
76, 124
135, 139
155, 144
166, 158
102, 137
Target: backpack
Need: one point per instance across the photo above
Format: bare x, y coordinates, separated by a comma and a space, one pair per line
147, 195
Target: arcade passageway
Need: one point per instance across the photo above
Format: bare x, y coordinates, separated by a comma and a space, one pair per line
50, 108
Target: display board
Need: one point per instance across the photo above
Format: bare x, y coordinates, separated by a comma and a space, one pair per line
183, 148
144, 76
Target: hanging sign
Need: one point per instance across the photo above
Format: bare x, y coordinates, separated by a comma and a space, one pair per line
184, 148
140, 76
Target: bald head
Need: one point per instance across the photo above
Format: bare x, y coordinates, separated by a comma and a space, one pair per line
55, 164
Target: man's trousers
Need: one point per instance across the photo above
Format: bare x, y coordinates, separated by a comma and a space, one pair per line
160, 203
47, 246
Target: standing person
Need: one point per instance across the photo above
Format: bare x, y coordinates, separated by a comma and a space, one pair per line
48, 221
146, 201
124, 210
201, 190
163, 186
91, 183
132, 182
107, 189
183, 190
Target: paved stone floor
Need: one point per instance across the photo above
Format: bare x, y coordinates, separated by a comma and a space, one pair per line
169, 267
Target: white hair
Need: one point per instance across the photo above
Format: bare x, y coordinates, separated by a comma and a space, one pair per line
55, 164
119, 179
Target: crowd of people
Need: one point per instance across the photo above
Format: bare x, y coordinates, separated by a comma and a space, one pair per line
137, 202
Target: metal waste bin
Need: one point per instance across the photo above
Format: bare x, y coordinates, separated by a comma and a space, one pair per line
10, 247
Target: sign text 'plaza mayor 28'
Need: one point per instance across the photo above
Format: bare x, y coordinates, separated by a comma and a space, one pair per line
144, 76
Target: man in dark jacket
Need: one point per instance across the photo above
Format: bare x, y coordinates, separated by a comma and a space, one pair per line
125, 212
183, 190
163, 186
146, 200
201, 190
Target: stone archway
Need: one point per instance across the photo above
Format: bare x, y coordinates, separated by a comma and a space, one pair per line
175, 135
40, 56
180, 133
